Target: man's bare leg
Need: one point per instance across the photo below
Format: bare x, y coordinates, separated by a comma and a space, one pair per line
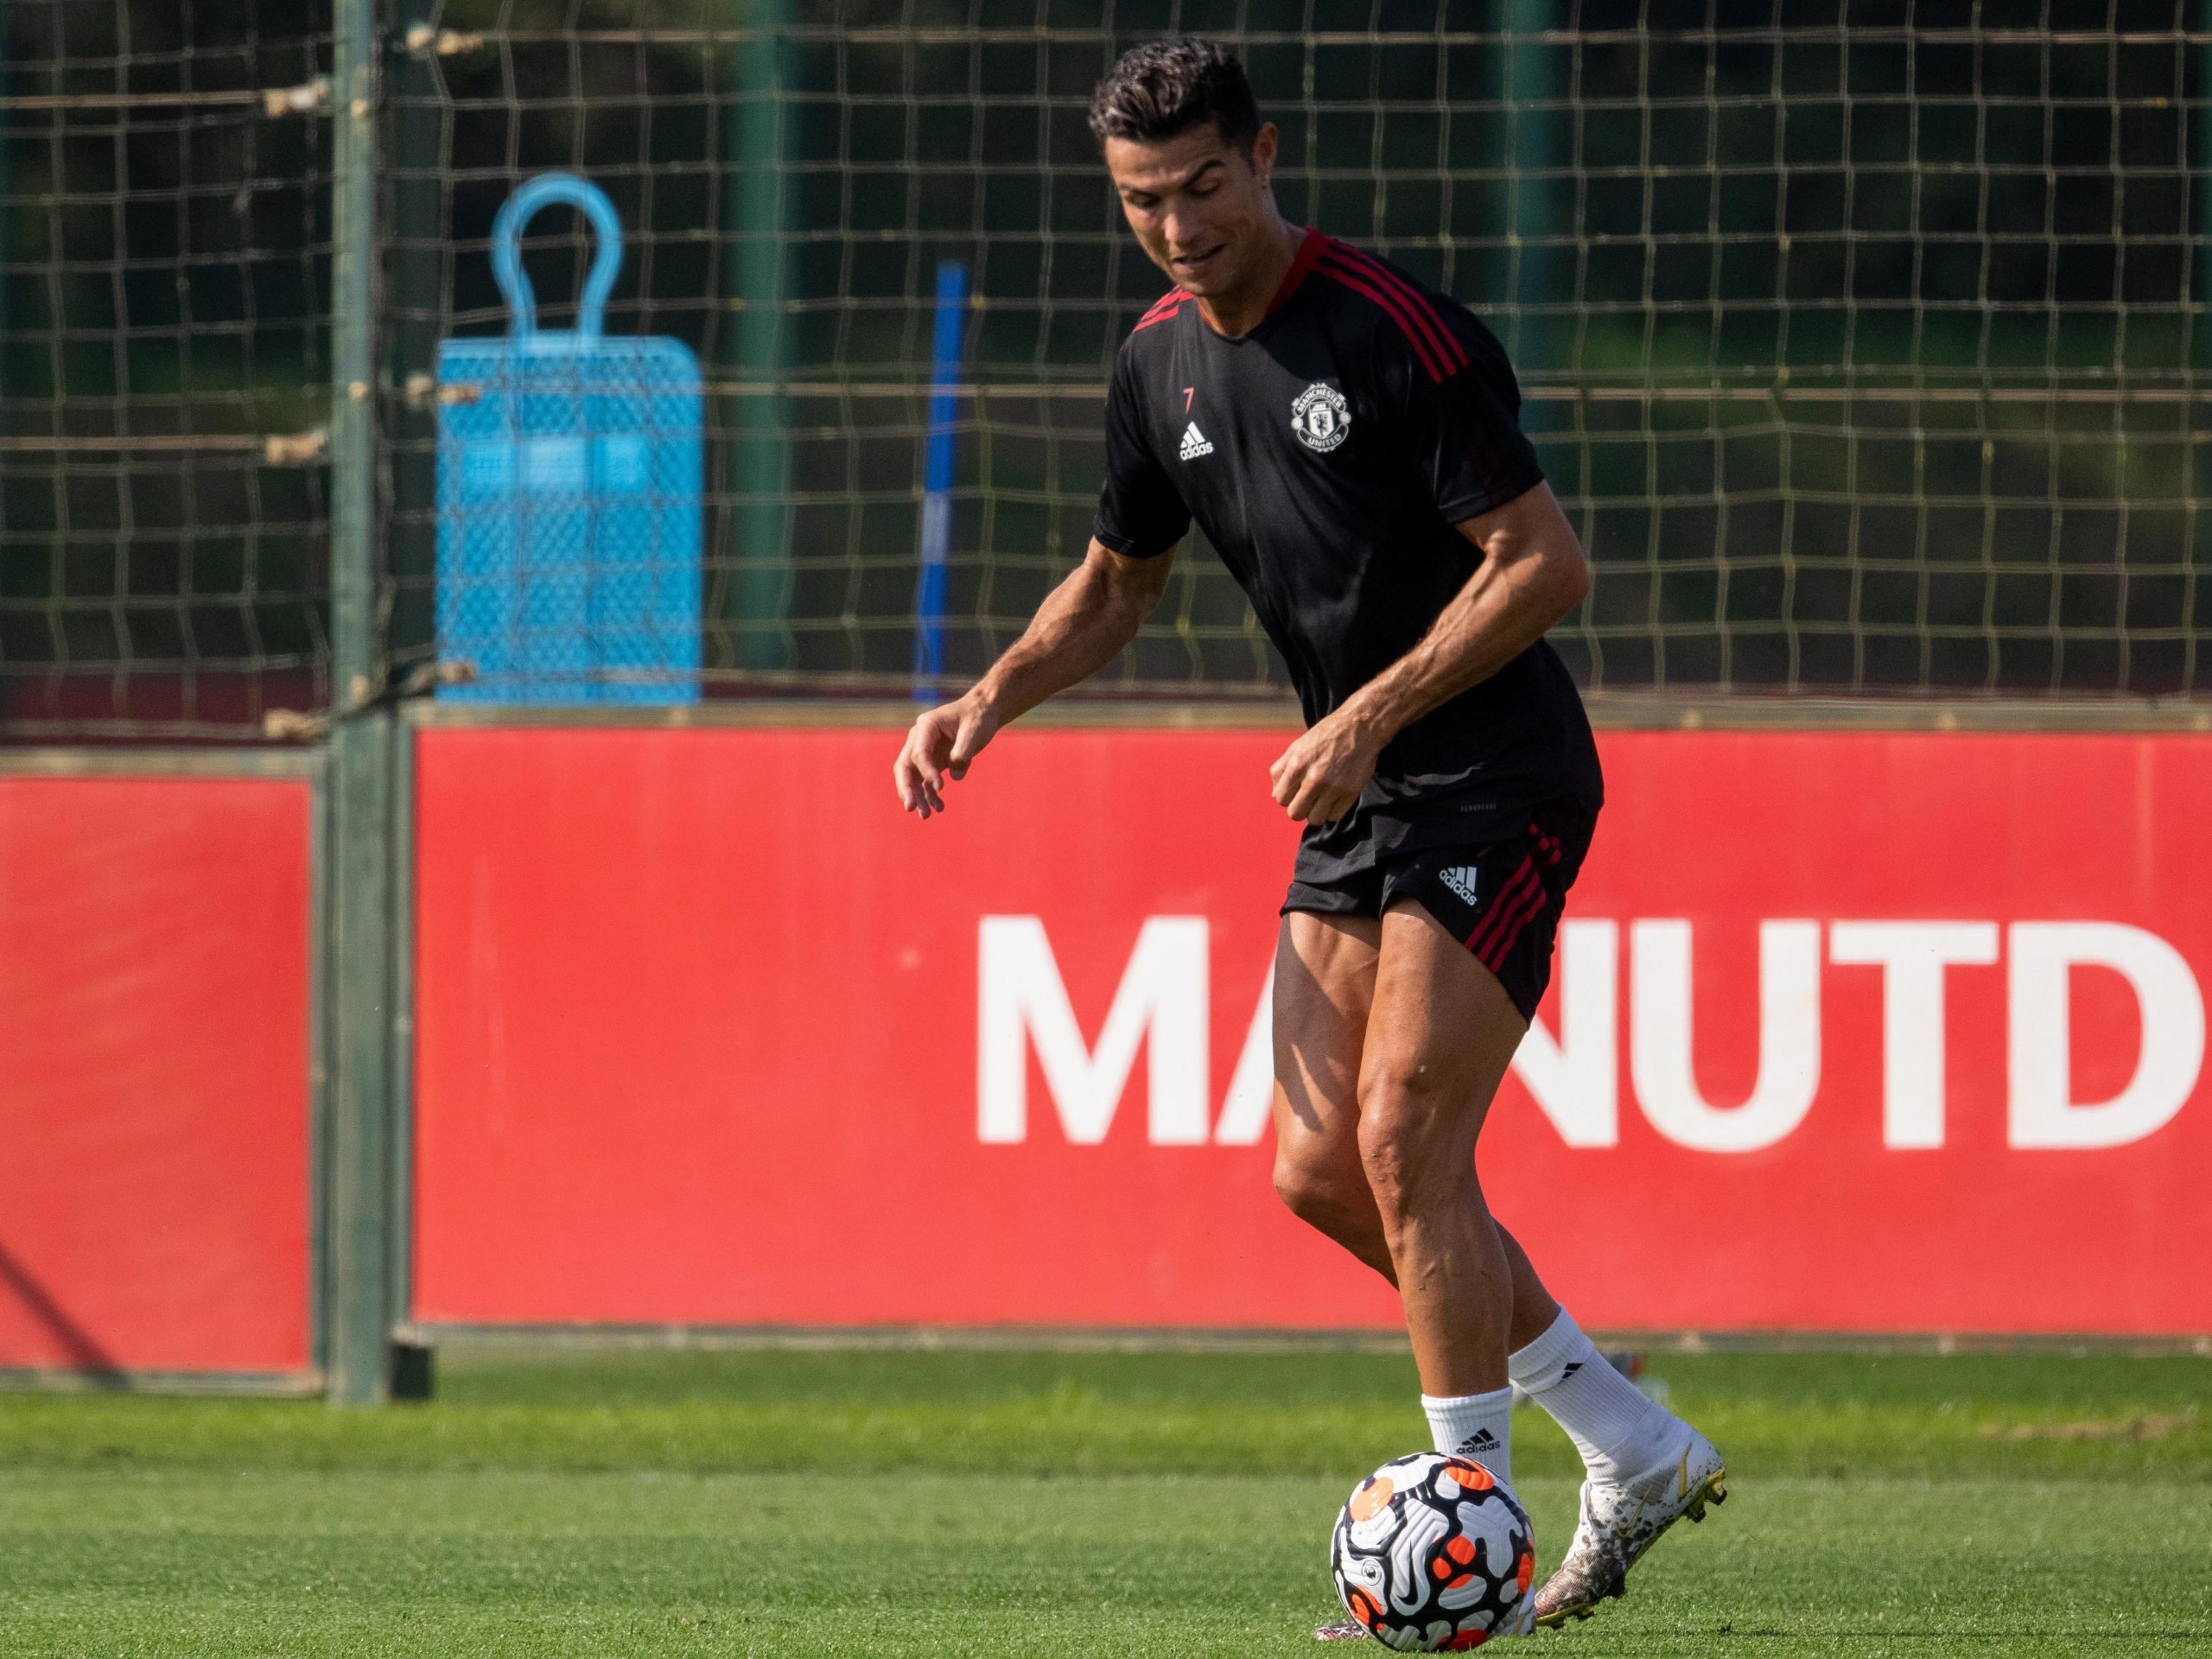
1327, 974
1342, 1051
1325, 982
1441, 1032
1325, 989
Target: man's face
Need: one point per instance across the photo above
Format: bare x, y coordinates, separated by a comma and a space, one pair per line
1198, 205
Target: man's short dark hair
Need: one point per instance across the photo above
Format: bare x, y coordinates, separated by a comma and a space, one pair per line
1164, 88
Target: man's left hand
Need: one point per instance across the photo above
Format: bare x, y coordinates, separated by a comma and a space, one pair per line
1318, 778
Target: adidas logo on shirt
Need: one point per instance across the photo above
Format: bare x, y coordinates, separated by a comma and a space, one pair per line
1195, 444
1460, 878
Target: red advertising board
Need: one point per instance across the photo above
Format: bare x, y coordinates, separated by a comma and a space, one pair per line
1856, 1032
153, 1204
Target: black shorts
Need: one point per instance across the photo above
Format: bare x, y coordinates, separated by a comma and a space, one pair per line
1501, 897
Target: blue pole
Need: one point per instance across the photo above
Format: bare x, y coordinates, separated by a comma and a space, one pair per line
937, 479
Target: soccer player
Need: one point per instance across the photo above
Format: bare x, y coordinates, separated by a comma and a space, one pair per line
1348, 439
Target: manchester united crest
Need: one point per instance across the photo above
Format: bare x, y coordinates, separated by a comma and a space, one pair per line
1320, 416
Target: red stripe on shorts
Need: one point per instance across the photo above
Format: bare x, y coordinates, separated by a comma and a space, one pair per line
1524, 875
1523, 912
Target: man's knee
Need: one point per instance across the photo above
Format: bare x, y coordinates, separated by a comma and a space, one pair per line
1324, 1189
1409, 1126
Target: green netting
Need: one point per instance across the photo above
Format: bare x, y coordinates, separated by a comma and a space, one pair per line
1865, 343
164, 282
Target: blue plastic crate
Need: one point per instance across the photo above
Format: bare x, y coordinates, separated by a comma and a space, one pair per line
569, 476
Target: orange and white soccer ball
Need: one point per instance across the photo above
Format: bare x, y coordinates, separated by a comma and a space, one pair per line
1433, 1555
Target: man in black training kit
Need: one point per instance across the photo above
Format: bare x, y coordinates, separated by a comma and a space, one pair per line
1347, 437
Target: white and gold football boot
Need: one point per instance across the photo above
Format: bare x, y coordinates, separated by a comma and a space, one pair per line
1622, 1519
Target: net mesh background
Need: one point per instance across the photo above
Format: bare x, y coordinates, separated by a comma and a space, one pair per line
1864, 343
164, 283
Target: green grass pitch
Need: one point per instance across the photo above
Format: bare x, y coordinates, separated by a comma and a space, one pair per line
1037, 1505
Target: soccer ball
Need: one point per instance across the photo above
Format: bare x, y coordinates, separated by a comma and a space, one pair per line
1430, 1554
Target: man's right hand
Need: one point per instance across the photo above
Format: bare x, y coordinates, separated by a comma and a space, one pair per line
1083, 623
939, 748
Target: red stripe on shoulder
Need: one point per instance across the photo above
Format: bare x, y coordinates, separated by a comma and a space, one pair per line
1162, 309
1393, 308
1310, 247
1441, 340
1446, 343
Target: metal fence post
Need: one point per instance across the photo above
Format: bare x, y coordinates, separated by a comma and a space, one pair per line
759, 445
1537, 141
2197, 352
359, 1210
415, 316
5, 184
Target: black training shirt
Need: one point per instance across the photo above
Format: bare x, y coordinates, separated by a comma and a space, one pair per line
1328, 455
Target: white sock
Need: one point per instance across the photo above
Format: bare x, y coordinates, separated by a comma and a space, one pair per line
1478, 1425
1619, 1431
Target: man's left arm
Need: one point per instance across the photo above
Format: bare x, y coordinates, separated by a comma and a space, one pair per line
1532, 574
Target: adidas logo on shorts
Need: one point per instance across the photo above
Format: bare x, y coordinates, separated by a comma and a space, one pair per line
1195, 443
1460, 878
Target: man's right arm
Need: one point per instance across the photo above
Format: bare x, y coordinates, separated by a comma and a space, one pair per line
1083, 624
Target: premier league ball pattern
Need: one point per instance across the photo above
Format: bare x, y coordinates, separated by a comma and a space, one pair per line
1433, 1555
